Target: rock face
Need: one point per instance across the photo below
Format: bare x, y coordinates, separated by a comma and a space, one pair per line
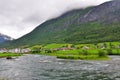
94, 24
107, 12
4, 38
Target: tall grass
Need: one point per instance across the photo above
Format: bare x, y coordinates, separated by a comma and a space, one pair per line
9, 55
82, 57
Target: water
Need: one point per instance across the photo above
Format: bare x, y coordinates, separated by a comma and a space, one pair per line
36, 67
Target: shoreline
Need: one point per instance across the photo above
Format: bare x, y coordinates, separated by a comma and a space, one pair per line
5, 55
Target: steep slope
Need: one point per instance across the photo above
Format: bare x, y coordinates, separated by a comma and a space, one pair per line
52, 31
4, 38
107, 12
90, 25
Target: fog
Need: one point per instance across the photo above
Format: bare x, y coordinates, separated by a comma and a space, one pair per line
19, 17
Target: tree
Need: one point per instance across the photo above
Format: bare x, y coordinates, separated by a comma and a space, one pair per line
109, 51
104, 45
84, 52
102, 53
36, 49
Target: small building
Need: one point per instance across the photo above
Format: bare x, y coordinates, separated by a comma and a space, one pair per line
64, 48
85, 47
3, 50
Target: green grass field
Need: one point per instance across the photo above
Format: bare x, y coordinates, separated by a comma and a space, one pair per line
92, 51
2, 55
78, 54
82, 57
50, 46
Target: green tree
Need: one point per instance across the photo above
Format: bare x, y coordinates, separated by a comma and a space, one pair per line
84, 52
36, 49
109, 51
102, 53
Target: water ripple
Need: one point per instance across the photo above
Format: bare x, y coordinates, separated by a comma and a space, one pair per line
36, 67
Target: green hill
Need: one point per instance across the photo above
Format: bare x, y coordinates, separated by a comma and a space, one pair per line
91, 25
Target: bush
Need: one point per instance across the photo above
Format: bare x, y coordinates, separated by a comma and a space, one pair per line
84, 52
109, 51
102, 53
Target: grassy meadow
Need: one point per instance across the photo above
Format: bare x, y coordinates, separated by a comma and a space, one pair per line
2, 55
96, 51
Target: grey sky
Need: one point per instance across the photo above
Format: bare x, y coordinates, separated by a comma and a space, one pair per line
19, 17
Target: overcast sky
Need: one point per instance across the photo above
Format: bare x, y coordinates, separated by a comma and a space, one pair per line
19, 17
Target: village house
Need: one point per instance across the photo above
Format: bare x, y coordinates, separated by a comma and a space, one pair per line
3, 50
64, 48
19, 50
16, 50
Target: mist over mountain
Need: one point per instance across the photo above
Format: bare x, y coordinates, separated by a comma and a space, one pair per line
91, 25
4, 38
22, 16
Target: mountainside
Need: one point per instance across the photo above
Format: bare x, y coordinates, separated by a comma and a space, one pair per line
90, 25
4, 38
106, 12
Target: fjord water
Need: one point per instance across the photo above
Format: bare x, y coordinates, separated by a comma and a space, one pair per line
36, 67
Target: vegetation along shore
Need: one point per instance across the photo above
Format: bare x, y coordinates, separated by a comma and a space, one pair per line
97, 51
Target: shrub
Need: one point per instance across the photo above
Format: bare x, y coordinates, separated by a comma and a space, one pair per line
109, 51
102, 53
84, 52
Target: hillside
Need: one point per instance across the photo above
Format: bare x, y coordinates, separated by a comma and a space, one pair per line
91, 25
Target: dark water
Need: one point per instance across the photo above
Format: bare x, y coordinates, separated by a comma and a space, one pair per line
35, 67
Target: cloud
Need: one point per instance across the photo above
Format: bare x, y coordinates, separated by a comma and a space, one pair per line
19, 17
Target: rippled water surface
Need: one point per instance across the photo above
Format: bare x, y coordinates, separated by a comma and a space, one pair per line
36, 67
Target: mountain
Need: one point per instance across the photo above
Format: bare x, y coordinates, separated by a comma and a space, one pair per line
91, 25
107, 12
4, 38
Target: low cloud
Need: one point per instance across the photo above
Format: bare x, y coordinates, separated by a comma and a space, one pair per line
19, 17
